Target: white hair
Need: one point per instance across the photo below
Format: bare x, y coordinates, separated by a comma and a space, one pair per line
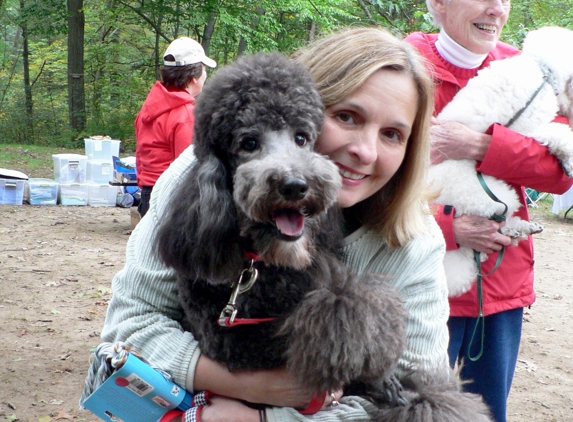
435, 15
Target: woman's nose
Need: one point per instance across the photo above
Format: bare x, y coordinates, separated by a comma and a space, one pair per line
497, 7
364, 146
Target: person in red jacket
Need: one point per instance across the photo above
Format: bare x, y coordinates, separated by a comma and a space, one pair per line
467, 42
164, 125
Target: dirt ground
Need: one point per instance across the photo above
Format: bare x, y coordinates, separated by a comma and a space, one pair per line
56, 266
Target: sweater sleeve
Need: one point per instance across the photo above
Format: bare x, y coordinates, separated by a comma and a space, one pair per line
144, 310
351, 408
416, 270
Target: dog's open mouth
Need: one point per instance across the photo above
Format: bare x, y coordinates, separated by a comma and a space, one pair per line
289, 222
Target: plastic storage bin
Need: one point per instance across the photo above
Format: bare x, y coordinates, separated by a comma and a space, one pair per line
99, 171
11, 191
70, 168
102, 149
74, 194
102, 195
41, 192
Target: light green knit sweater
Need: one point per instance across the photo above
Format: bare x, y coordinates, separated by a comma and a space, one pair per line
144, 310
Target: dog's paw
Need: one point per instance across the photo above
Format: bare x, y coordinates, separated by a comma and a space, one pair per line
510, 232
521, 230
352, 331
535, 228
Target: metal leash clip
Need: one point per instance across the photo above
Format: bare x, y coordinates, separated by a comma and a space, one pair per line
229, 312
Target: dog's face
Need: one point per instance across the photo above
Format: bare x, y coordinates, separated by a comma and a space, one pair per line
260, 117
282, 189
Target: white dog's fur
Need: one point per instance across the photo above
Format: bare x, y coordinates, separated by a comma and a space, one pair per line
497, 94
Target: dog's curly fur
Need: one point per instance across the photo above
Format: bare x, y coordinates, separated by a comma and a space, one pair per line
257, 186
497, 94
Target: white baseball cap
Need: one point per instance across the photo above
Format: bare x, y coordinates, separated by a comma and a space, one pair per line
187, 51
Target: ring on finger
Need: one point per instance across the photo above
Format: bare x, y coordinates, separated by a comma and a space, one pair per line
334, 402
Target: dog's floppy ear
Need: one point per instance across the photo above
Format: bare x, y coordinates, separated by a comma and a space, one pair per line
198, 236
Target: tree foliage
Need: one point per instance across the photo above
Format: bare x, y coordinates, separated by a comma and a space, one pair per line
124, 41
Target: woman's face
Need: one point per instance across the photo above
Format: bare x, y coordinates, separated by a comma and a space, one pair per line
474, 24
366, 133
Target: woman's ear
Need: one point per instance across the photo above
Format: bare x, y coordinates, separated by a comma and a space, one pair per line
439, 5
199, 236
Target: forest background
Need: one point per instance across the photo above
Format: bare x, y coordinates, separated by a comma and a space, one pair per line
76, 68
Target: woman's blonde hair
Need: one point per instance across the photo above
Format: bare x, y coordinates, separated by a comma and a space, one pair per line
339, 64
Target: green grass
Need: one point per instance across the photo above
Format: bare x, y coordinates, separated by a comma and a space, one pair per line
34, 160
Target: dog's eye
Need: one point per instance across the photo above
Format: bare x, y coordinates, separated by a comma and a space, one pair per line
300, 140
249, 144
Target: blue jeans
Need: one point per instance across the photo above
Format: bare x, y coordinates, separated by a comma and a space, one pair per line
490, 375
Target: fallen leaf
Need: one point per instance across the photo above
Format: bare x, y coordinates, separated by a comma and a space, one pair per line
103, 289
44, 419
63, 415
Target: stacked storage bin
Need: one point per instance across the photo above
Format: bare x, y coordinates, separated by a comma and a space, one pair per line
100, 152
70, 173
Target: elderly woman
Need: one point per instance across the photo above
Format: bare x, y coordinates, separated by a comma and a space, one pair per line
467, 42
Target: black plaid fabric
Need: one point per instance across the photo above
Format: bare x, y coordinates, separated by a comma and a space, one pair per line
193, 414
201, 399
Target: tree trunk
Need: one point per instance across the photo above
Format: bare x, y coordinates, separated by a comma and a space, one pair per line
76, 90
208, 33
242, 42
27, 86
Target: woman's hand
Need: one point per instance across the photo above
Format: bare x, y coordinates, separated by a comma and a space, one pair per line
454, 141
479, 233
223, 409
276, 387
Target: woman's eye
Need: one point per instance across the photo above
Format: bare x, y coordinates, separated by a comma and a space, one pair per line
249, 144
300, 140
392, 135
344, 117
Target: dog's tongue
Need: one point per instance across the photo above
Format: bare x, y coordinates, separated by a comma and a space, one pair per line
289, 222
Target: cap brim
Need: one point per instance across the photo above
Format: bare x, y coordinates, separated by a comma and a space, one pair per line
209, 62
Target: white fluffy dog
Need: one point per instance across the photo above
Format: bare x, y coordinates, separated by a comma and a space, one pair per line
524, 93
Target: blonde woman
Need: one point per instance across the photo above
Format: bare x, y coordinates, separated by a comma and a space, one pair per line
378, 101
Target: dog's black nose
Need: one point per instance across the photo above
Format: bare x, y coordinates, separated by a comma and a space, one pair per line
293, 189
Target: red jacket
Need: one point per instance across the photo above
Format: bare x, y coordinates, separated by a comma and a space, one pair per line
163, 129
517, 159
